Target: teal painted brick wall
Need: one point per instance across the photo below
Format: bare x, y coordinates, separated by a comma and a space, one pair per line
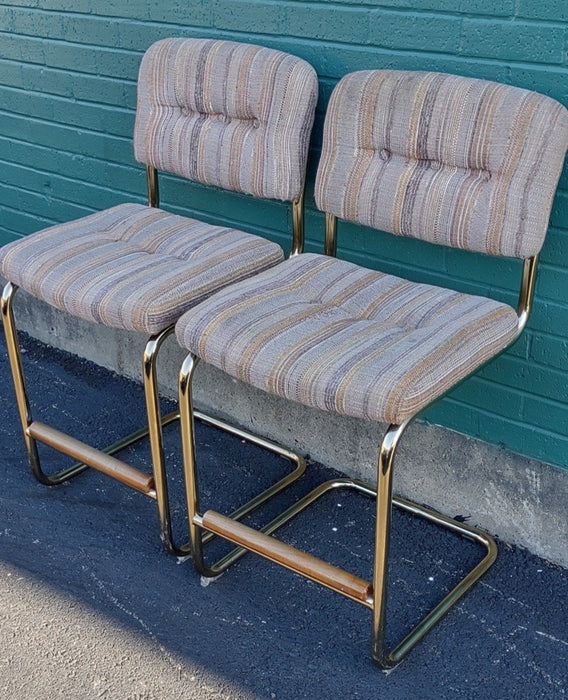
67, 95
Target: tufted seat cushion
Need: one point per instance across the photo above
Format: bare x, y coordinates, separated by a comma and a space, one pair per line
339, 337
133, 266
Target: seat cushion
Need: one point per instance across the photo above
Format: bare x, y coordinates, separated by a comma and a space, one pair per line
339, 337
133, 266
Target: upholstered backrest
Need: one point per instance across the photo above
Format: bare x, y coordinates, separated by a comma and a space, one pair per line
222, 113
458, 161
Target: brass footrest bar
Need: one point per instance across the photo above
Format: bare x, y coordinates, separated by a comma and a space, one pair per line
92, 457
291, 558
285, 517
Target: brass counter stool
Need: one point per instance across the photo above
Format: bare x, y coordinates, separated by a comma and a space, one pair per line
455, 161
220, 113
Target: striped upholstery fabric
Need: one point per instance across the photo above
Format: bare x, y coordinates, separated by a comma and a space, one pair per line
466, 163
133, 266
193, 121
336, 336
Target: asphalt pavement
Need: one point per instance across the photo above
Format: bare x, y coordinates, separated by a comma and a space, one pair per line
92, 607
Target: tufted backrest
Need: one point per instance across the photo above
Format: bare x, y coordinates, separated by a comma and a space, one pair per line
222, 113
458, 161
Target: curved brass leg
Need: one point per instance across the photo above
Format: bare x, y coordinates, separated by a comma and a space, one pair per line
385, 501
198, 534
156, 441
15, 358
387, 453
187, 427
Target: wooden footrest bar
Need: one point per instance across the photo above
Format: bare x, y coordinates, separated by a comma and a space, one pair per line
281, 553
135, 478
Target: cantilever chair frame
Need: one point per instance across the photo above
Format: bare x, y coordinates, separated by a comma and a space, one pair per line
155, 486
371, 594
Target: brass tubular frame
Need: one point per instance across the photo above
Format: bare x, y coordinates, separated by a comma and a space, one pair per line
373, 596
526, 293
152, 396
35, 431
385, 500
385, 464
15, 359
187, 416
298, 213
330, 242
261, 542
463, 529
107, 464
152, 186
155, 486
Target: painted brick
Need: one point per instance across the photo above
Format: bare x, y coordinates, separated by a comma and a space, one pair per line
113, 121
62, 26
549, 317
16, 48
503, 8
559, 216
555, 249
84, 87
493, 273
129, 180
194, 12
316, 22
406, 30
521, 348
454, 415
242, 16
551, 416
542, 444
550, 351
384, 246
513, 40
563, 183
7, 237
44, 207
67, 93
270, 217
504, 401
552, 283
17, 223
335, 61
137, 36
549, 80
64, 138
554, 10
535, 379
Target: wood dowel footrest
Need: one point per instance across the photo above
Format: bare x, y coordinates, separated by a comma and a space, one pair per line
135, 478
281, 553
